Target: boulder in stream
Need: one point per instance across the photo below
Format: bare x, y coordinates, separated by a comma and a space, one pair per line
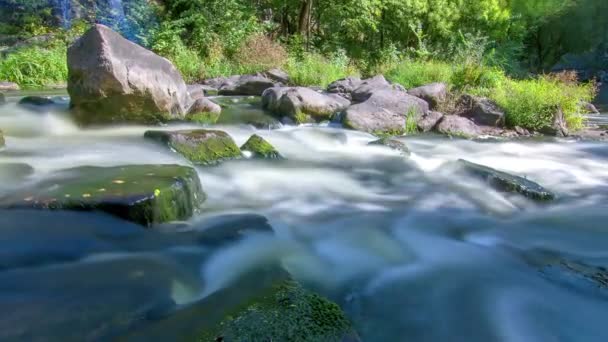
303, 105
112, 80
144, 194
385, 112
505, 182
260, 148
200, 146
344, 87
481, 111
204, 111
246, 85
392, 143
428, 121
458, 126
435, 93
36, 101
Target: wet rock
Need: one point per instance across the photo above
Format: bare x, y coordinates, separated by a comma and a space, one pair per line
344, 87
521, 131
481, 111
8, 86
434, 93
246, 111
558, 127
201, 146
459, 126
301, 104
368, 86
246, 85
428, 121
204, 111
196, 91
144, 194
112, 80
260, 148
392, 143
14, 170
36, 101
277, 75
590, 108
385, 112
505, 182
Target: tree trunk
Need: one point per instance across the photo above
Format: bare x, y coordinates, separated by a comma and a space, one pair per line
304, 18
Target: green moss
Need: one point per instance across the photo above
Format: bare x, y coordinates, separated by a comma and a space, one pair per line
205, 147
287, 312
260, 148
204, 118
145, 194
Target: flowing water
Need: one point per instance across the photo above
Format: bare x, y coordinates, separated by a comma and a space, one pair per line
409, 247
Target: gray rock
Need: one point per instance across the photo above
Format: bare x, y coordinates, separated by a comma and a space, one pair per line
36, 101
590, 108
505, 182
558, 127
385, 111
344, 87
218, 82
246, 85
204, 111
481, 110
260, 148
302, 104
457, 126
392, 143
8, 86
111, 79
367, 87
196, 91
277, 75
428, 121
434, 93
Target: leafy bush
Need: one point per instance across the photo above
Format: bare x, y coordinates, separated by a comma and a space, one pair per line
36, 66
316, 70
532, 103
476, 78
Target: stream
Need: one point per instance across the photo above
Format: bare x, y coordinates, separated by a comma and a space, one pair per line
411, 249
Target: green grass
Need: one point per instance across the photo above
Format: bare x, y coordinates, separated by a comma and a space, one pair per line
531, 103
36, 66
316, 70
411, 74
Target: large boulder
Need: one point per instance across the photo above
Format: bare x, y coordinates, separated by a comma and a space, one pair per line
8, 86
481, 110
302, 104
434, 93
428, 121
386, 111
200, 146
368, 86
246, 85
277, 75
112, 80
459, 126
344, 87
144, 194
504, 182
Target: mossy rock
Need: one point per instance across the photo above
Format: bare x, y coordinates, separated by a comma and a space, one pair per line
144, 194
502, 181
260, 148
201, 146
285, 312
205, 118
392, 143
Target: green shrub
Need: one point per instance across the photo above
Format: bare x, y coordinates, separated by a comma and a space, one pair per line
316, 70
476, 78
532, 103
411, 74
259, 53
36, 66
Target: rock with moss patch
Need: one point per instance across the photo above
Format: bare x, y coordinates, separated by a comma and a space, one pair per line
204, 111
260, 148
200, 146
145, 194
302, 105
393, 144
506, 182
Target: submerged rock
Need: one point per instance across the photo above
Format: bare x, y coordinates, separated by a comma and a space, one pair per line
502, 181
36, 101
246, 85
112, 80
301, 104
144, 194
459, 126
435, 93
8, 86
392, 143
260, 148
481, 111
200, 146
385, 112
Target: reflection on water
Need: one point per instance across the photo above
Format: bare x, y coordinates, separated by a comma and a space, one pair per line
412, 249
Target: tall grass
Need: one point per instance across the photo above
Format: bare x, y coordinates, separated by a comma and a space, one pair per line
317, 70
412, 73
36, 66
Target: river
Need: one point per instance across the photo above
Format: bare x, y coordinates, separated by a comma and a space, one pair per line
410, 248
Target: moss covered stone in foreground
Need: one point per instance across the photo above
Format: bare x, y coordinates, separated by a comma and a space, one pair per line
505, 182
392, 143
286, 312
200, 146
260, 148
145, 194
